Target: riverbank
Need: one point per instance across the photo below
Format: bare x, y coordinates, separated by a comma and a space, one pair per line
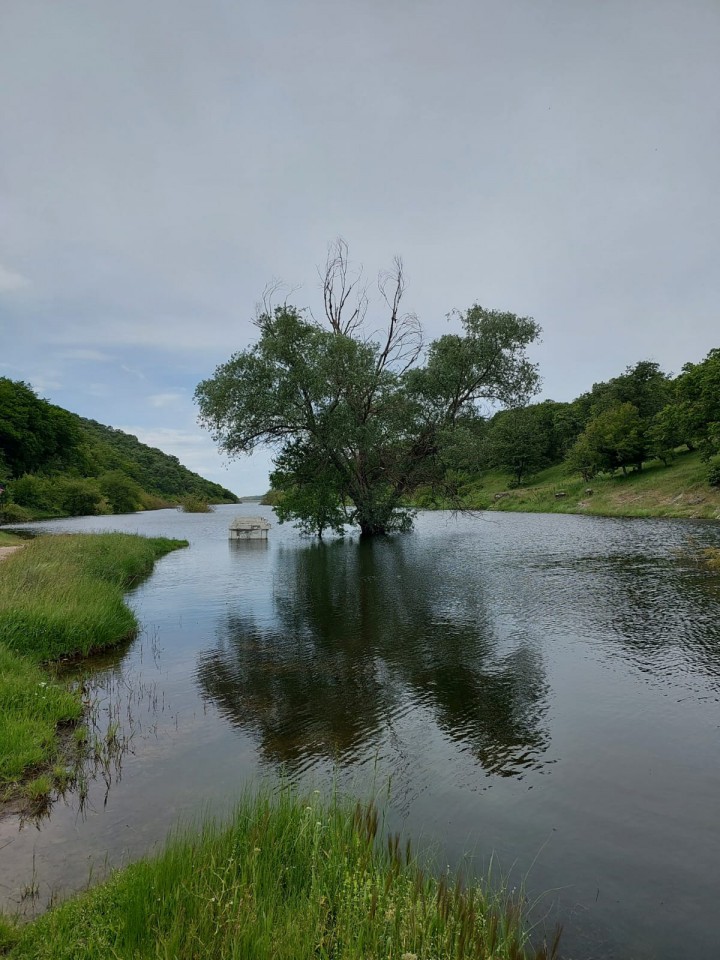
60, 597
287, 878
679, 489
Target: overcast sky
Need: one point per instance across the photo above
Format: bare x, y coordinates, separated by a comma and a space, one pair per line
162, 160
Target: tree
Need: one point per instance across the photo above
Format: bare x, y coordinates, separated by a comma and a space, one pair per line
515, 442
614, 438
698, 390
359, 422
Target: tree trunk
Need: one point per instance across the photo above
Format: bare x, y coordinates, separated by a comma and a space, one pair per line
372, 529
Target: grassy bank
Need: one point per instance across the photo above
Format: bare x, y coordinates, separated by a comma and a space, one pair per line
9, 539
60, 596
286, 880
677, 490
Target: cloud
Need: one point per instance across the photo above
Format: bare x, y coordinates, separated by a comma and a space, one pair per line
11, 281
85, 354
166, 399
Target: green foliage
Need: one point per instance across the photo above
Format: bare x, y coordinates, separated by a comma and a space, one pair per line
33, 491
714, 473
358, 423
516, 442
643, 385
286, 878
107, 450
56, 463
698, 388
311, 488
122, 493
193, 504
79, 497
33, 432
613, 439
12, 513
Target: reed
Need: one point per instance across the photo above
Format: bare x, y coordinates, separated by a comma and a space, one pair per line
288, 879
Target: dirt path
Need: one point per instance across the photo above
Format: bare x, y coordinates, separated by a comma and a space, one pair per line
6, 551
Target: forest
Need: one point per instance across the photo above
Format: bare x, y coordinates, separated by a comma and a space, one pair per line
56, 463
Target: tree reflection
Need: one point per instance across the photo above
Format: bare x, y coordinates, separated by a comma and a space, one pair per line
359, 634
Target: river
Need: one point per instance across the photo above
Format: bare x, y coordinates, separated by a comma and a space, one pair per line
536, 692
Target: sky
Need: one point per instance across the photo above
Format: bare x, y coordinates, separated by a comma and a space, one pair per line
162, 161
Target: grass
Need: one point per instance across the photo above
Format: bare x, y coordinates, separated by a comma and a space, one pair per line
61, 596
32, 706
285, 879
10, 539
678, 490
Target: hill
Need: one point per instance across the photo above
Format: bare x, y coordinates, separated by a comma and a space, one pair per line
56, 463
676, 489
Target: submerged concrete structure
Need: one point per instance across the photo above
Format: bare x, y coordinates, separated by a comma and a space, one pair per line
249, 528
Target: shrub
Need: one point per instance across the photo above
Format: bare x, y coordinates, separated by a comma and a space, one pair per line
33, 492
122, 493
12, 513
714, 474
79, 498
194, 504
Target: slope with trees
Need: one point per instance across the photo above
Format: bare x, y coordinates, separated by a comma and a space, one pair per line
53, 462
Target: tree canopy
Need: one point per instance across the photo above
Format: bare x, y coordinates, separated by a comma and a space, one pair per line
359, 419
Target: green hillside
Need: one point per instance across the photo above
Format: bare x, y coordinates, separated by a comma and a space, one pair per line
56, 463
678, 489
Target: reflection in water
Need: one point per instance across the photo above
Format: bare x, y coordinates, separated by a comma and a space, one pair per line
461, 662
358, 636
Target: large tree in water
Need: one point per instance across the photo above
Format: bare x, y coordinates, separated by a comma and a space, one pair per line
360, 415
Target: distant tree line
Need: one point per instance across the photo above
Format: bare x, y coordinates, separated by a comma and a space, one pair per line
53, 462
641, 415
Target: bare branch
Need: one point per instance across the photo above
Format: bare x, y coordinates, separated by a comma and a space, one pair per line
342, 292
403, 340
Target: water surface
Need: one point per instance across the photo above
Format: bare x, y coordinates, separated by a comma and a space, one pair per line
544, 689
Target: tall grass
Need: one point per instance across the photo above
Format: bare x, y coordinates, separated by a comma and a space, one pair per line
59, 596
288, 880
63, 595
32, 705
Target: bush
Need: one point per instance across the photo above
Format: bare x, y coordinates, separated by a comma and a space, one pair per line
122, 493
79, 498
33, 492
194, 504
714, 474
13, 513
